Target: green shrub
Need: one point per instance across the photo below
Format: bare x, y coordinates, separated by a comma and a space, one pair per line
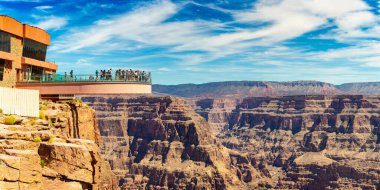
51, 140
34, 122
42, 115
37, 139
1, 111
43, 163
43, 107
10, 120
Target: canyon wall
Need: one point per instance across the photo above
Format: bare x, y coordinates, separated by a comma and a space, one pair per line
160, 142
286, 142
216, 111
310, 142
59, 150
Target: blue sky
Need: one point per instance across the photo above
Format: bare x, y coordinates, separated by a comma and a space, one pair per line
198, 41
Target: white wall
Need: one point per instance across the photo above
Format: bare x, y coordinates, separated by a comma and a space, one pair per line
20, 102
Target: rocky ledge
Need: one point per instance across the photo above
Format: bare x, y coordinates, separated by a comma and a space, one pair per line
59, 150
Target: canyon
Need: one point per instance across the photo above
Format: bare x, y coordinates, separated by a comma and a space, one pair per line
310, 142
282, 142
160, 142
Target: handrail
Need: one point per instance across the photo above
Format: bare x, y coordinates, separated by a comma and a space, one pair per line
59, 78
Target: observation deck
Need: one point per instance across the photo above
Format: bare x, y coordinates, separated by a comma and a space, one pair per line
58, 85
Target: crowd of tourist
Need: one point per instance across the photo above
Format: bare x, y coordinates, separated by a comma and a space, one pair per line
119, 75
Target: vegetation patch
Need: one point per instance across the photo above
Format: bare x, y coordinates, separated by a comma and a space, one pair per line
51, 140
37, 139
43, 107
42, 115
50, 122
10, 120
43, 163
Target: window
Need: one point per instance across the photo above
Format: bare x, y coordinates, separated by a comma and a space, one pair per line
34, 50
5, 42
2, 64
33, 73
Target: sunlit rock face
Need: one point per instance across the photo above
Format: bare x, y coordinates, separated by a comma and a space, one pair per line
160, 142
58, 151
310, 142
287, 142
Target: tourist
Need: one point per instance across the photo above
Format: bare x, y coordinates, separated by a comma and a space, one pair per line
71, 75
65, 76
110, 73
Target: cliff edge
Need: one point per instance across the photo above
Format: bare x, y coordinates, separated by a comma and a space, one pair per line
59, 150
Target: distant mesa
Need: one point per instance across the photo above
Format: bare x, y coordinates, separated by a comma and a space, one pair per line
242, 89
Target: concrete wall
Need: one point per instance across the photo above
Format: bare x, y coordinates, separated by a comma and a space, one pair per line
20, 102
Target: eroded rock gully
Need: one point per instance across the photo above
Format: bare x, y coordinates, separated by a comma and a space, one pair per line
291, 142
160, 142
44, 154
309, 142
217, 112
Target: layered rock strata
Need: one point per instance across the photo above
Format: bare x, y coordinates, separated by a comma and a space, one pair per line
59, 150
161, 143
309, 142
243, 89
216, 111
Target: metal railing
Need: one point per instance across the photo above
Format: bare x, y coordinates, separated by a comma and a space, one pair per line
59, 78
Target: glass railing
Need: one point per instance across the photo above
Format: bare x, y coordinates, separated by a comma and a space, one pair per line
59, 78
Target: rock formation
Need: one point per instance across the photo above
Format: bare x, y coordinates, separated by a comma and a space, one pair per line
286, 142
309, 142
216, 111
160, 142
361, 88
59, 150
243, 89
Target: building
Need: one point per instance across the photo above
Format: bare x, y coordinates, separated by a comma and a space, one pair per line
22, 52
23, 65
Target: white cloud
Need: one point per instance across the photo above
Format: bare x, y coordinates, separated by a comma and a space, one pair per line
355, 20
52, 23
292, 18
142, 25
281, 20
164, 69
44, 7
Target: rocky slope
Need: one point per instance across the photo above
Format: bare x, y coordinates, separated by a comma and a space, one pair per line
216, 111
290, 142
309, 142
242, 89
363, 88
160, 142
58, 151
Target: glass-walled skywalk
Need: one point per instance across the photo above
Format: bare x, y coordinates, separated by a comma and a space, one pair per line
142, 77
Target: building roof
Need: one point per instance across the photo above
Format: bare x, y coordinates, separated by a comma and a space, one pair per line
12, 26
